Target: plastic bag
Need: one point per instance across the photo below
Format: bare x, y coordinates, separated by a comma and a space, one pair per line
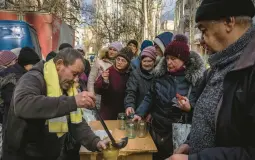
180, 134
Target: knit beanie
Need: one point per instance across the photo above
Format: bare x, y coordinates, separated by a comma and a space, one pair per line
64, 45
133, 42
6, 57
117, 45
217, 9
51, 55
163, 39
149, 52
28, 56
146, 43
179, 49
126, 53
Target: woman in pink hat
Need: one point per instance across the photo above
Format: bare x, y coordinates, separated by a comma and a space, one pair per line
140, 80
7, 58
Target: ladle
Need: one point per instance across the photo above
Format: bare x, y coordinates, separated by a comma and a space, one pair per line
118, 145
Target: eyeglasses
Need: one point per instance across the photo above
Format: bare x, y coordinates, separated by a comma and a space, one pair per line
122, 60
113, 49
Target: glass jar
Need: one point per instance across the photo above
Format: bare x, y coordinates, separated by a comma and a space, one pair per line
141, 129
130, 129
121, 119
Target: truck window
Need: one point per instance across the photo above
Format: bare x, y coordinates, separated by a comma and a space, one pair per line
35, 42
11, 36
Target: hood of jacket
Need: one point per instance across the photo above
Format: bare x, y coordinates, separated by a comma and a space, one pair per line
38, 67
195, 68
10, 78
102, 53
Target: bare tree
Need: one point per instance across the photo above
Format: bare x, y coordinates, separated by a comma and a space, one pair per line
136, 19
66, 10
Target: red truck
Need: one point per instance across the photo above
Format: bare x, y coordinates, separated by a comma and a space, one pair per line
50, 29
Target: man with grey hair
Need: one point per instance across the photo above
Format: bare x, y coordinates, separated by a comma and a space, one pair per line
46, 107
223, 125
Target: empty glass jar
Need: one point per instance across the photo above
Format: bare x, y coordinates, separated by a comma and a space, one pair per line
122, 119
141, 129
130, 129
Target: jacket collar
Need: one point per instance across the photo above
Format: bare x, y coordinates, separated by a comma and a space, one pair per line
145, 76
194, 68
247, 59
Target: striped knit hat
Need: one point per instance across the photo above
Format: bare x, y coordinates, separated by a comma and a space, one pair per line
6, 57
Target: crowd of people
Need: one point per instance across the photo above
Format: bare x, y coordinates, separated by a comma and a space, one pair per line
163, 82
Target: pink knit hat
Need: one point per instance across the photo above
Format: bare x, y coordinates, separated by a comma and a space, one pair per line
149, 52
6, 57
117, 45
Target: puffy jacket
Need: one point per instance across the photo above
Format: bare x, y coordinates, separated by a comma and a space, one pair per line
161, 98
138, 85
235, 121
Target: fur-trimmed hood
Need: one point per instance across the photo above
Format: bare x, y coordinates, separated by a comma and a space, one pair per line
195, 68
102, 52
10, 78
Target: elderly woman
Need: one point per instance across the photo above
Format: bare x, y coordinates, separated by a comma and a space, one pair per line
172, 94
105, 61
111, 85
140, 80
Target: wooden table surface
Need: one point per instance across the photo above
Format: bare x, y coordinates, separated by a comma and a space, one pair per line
136, 145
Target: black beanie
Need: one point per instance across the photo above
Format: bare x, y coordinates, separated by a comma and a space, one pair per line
217, 9
133, 42
126, 53
64, 45
28, 56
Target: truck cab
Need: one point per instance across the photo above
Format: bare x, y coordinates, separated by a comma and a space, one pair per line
18, 34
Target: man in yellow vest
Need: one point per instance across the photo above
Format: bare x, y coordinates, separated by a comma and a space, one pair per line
45, 114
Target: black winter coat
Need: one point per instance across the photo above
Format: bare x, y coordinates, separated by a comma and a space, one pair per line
26, 135
9, 77
235, 119
161, 98
138, 85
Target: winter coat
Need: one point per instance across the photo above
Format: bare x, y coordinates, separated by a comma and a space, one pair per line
87, 67
26, 135
235, 125
9, 78
113, 93
138, 85
161, 98
96, 70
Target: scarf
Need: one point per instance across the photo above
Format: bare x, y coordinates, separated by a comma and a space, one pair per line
178, 72
59, 125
